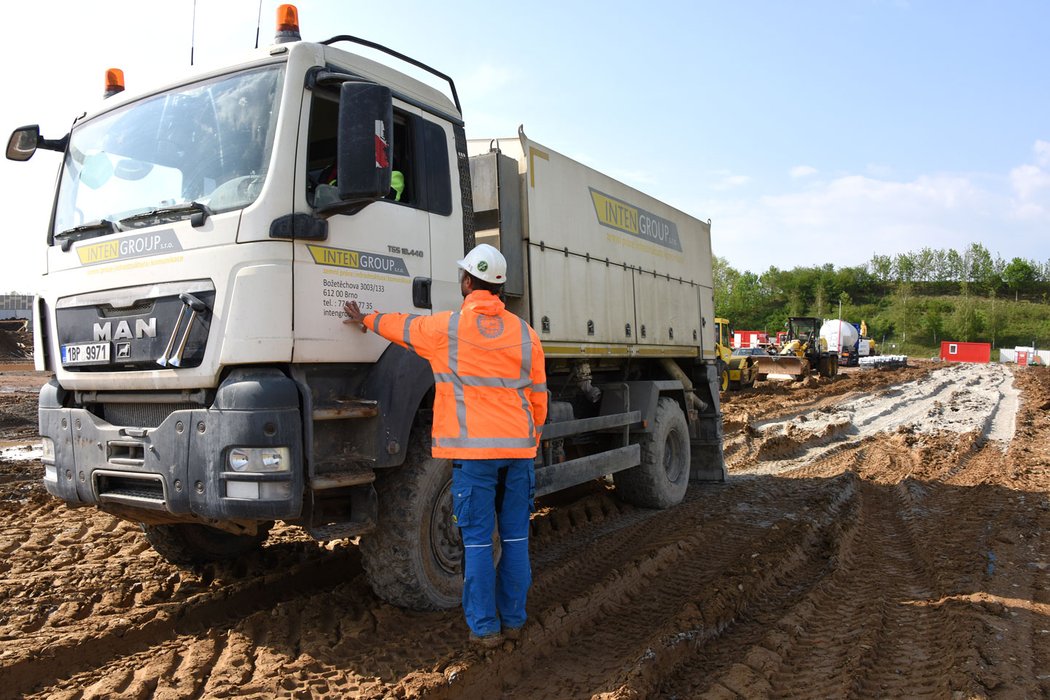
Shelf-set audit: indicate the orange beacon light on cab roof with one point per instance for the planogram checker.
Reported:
(114, 82)
(287, 24)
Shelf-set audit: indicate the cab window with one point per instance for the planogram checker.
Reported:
(420, 177)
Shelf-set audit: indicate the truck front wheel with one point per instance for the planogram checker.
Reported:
(414, 558)
(662, 478)
(189, 543)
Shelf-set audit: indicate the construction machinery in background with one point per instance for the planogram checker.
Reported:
(849, 339)
(843, 337)
(734, 371)
(802, 352)
(866, 346)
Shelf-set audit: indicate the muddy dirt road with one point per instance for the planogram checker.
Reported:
(883, 534)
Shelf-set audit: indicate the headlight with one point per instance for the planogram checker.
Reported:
(260, 459)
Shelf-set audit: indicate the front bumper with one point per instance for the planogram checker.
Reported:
(179, 468)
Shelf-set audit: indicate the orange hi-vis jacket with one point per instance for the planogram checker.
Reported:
(490, 384)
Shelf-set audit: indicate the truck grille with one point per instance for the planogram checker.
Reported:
(141, 415)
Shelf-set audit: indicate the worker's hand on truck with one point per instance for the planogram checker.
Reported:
(354, 315)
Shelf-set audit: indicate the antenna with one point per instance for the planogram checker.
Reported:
(193, 31)
(258, 21)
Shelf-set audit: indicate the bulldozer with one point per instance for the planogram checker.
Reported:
(802, 352)
(734, 371)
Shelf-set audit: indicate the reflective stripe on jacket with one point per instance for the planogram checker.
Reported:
(490, 384)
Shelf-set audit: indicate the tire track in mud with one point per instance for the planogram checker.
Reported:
(949, 489)
(689, 578)
(328, 643)
(903, 558)
(87, 595)
(872, 628)
(136, 654)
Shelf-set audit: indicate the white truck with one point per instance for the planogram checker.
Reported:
(204, 237)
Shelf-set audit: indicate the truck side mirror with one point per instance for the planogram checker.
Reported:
(23, 142)
(366, 122)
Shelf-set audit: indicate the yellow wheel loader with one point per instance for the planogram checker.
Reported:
(734, 371)
(803, 352)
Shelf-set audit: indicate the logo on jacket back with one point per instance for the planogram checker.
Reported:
(489, 326)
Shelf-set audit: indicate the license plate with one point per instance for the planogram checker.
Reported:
(85, 353)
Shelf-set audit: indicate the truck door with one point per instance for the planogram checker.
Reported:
(378, 256)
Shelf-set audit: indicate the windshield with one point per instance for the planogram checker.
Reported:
(208, 143)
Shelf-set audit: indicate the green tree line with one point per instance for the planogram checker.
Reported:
(911, 301)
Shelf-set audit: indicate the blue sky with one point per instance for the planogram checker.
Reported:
(808, 132)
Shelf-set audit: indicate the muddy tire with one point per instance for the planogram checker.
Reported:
(414, 558)
(186, 543)
(662, 478)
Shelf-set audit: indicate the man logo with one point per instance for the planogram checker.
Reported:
(144, 328)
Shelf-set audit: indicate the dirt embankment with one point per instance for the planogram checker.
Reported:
(882, 535)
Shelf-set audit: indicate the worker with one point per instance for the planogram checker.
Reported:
(490, 399)
(328, 183)
(397, 184)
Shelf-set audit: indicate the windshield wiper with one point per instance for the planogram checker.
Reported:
(79, 233)
(199, 214)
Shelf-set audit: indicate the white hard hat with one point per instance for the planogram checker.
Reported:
(486, 263)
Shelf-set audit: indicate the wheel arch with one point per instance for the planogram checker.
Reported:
(645, 397)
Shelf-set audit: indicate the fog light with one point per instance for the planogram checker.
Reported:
(242, 489)
(50, 473)
(48, 451)
(260, 459)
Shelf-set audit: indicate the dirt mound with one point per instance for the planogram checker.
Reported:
(16, 343)
(882, 534)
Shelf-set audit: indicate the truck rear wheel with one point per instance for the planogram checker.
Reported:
(414, 558)
(189, 543)
(662, 478)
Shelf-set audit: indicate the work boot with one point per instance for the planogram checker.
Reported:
(486, 641)
(512, 634)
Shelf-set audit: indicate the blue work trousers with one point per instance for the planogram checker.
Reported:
(482, 491)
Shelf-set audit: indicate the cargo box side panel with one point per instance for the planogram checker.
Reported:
(579, 300)
(577, 210)
(668, 311)
(575, 207)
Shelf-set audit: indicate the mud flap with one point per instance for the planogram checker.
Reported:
(706, 461)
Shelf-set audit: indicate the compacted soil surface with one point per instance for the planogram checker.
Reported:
(881, 534)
